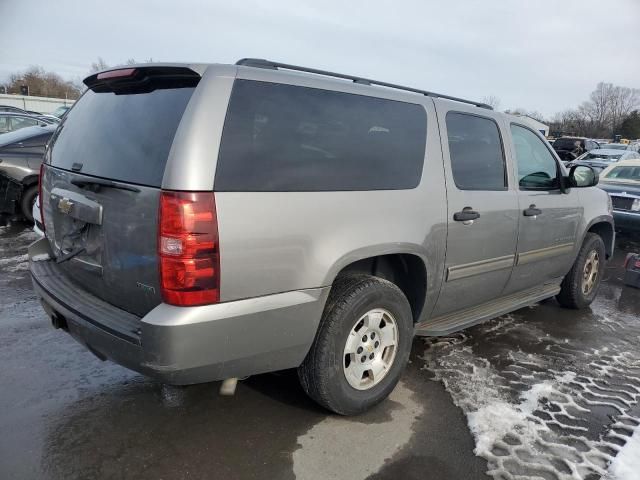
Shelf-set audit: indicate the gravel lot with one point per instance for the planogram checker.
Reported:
(543, 392)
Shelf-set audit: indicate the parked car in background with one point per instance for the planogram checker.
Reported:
(335, 220)
(635, 146)
(619, 146)
(603, 157)
(570, 148)
(21, 154)
(10, 122)
(60, 111)
(622, 182)
(12, 109)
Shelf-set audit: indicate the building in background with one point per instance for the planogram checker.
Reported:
(535, 124)
(35, 104)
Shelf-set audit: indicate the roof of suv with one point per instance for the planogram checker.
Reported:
(253, 63)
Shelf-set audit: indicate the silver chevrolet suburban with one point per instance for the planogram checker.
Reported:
(209, 222)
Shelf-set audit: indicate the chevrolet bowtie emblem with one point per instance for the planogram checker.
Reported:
(65, 205)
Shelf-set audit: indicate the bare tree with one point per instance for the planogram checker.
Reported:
(624, 100)
(527, 113)
(133, 61)
(492, 101)
(99, 65)
(602, 115)
(43, 84)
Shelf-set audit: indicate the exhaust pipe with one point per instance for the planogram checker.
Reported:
(228, 387)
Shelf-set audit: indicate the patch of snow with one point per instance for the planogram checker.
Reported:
(12, 260)
(529, 415)
(626, 465)
(21, 267)
(496, 418)
(43, 257)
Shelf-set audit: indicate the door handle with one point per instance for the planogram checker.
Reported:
(467, 214)
(532, 211)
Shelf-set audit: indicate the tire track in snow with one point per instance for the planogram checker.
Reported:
(540, 405)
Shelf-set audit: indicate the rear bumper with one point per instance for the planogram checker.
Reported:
(627, 220)
(185, 345)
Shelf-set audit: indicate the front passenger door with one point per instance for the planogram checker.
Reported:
(548, 218)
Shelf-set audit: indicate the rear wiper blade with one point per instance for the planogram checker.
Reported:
(104, 183)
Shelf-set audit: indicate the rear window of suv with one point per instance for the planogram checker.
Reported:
(125, 137)
(288, 138)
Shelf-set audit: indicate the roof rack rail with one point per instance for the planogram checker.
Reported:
(261, 63)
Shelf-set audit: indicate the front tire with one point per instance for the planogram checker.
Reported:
(361, 347)
(580, 286)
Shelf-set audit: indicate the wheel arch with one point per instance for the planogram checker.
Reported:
(406, 269)
(30, 181)
(604, 227)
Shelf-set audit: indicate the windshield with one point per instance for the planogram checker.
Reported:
(616, 146)
(58, 112)
(594, 155)
(626, 172)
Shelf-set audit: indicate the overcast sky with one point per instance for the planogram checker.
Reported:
(544, 55)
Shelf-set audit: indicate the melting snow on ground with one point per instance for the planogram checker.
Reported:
(532, 413)
(626, 465)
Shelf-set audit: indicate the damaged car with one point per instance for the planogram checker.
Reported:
(21, 154)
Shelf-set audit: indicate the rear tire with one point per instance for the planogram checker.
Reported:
(580, 286)
(26, 203)
(363, 314)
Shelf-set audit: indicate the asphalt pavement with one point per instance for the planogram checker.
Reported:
(544, 391)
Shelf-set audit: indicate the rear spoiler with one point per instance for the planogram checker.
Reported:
(141, 79)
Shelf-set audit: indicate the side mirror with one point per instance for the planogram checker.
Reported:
(581, 176)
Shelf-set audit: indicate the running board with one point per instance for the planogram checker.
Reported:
(461, 319)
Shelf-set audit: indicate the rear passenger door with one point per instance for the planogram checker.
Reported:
(482, 215)
(548, 218)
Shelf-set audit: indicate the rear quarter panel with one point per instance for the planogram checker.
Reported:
(275, 242)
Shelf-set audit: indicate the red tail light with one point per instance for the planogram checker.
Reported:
(40, 199)
(188, 248)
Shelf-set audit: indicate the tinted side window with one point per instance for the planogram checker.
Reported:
(475, 148)
(288, 138)
(536, 166)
